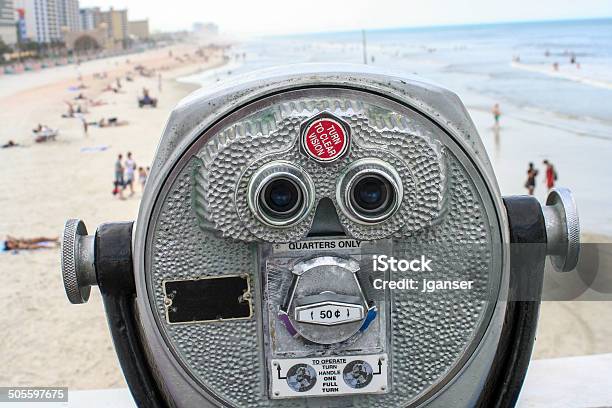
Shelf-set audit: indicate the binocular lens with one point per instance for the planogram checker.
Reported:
(280, 194)
(369, 191)
(281, 198)
(371, 194)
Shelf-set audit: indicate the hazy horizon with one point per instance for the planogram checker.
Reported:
(274, 17)
(443, 26)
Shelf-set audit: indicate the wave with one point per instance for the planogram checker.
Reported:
(209, 75)
(584, 126)
(581, 77)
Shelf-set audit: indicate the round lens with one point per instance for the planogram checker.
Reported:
(371, 194)
(281, 198)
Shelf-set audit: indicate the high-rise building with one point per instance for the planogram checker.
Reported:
(87, 18)
(21, 24)
(139, 29)
(41, 20)
(116, 24)
(111, 24)
(68, 15)
(206, 29)
(8, 27)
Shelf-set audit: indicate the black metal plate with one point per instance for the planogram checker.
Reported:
(208, 299)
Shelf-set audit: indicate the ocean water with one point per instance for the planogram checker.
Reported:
(564, 115)
(475, 59)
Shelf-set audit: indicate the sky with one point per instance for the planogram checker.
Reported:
(261, 17)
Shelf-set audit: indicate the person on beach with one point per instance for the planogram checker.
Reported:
(118, 190)
(496, 111)
(12, 243)
(130, 167)
(551, 174)
(43, 133)
(147, 99)
(111, 88)
(532, 173)
(10, 143)
(110, 122)
(70, 113)
(142, 177)
(96, 102)
(85, 125)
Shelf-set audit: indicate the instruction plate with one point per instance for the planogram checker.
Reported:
(329, 376)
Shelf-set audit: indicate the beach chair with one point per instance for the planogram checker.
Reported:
(147, 101)
(46, 135)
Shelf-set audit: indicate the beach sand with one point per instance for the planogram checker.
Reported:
(47, 341)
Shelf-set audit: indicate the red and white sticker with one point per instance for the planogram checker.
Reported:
(325, 139)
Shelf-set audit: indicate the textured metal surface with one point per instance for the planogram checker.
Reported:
(206, 111)
(432, 332)
(562, 229)
(204, 230)
(220, 352)
(77, 290)
(235, 153)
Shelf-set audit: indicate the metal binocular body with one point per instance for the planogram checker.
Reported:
(323, 236)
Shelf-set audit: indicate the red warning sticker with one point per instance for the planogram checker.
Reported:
(325, 139)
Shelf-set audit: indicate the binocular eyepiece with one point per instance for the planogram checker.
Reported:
(323, 236)
(280, 194)
(370, 191)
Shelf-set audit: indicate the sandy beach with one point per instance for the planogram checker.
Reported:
(49, 342)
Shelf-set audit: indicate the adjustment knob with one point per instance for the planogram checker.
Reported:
(562, 229)
(78, 266)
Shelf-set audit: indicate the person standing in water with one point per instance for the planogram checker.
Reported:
(496, 111)
(532, 173)
(551, 174)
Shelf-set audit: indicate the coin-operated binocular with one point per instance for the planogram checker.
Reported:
(323, 236)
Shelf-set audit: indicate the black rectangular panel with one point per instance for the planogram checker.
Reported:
(208, 299)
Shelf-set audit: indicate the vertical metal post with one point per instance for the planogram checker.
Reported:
(365, 51)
